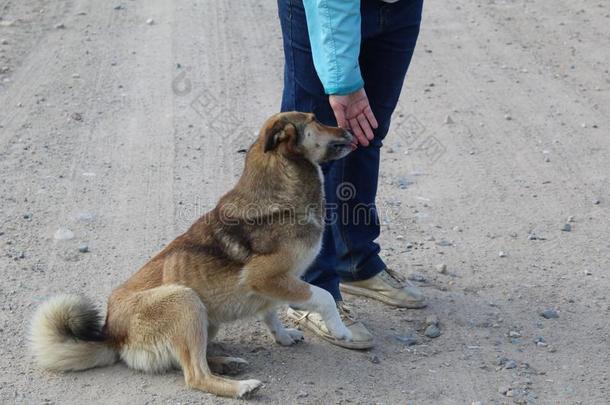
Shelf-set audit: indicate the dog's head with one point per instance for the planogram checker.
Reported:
(295, 134)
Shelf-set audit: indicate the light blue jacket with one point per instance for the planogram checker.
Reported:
(334, 34)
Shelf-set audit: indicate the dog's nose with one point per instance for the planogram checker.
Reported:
(348, 135)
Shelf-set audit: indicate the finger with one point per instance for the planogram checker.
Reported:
(340, 116)
(358, 132)
(370, 116)
(366, 126)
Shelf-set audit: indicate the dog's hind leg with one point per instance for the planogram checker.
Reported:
(173, 319)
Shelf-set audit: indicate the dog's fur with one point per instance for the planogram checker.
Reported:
(244, 258)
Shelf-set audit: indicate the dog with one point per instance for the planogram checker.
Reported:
(242, 259)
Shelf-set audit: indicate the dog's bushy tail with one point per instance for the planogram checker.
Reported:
(66, 335)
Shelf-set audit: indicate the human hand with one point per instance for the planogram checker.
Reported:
(354, 112)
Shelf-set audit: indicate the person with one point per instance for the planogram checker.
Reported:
(346, 61)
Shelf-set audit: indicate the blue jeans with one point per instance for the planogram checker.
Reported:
(389, 33)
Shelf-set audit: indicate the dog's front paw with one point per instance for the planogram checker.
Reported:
(340, 331)
(288, 337)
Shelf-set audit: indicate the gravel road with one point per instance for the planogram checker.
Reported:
(122, 122)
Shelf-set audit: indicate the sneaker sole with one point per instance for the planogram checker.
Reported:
(329, 338)
(363, 292)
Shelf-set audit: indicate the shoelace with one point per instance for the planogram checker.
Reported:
(393, 277)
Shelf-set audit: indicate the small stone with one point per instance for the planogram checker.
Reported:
(21, 255)
(4, 69)
(432, 331)
(596, 201)
(444, 242)
(587, 272)
(76, 116)
(60, 26)
(503, 389)
(441, 268)
(406, 340)
(532, 236)
(476, 403)
(507, 117)
(502, 254)
(373, 358)
(4, 41)
(509, 365)
(83, 248)
(150, 21)
(571, 218)
(399, 237)
(566, 227)
(449, 120)
(549, 314)
(27, 216)
(539, 339)
(75, 76)
(457, 229)
(63, 234)
(514, 334)
(302, 394)
(119, 7)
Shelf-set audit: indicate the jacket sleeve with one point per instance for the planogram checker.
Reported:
(334, 34)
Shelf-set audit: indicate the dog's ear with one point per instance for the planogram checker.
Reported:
(277, 132)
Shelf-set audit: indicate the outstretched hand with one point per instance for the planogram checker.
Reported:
(354, 112)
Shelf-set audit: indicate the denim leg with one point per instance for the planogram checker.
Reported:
(389, 35)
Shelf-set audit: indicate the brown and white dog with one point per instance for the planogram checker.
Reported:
(244, 258)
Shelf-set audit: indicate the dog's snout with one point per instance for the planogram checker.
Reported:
(348, 135)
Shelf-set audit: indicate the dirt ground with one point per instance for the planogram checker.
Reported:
(114, 134)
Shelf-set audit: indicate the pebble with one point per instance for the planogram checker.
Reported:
(60, 26)
(373, 358)
(302, 394)
(84, 248)
(507, 117)
(502, 254)
(588, 272)
(510, 364)
(449, 120)
(476, 403)
(503, 389)
(150, 21)
(444, 242)
(596, 201)
(75, 76)
(4, 41)
(409, 245)
(406, 340)
(571, 218)
(4, 69)
(21, 255)
(119, 7)
(441, 268)
(27, 216)
(514, 334)
(566, 227)
(76, 116)
(532, 236)
(549, 314)
(63, 234)
(432, 331)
